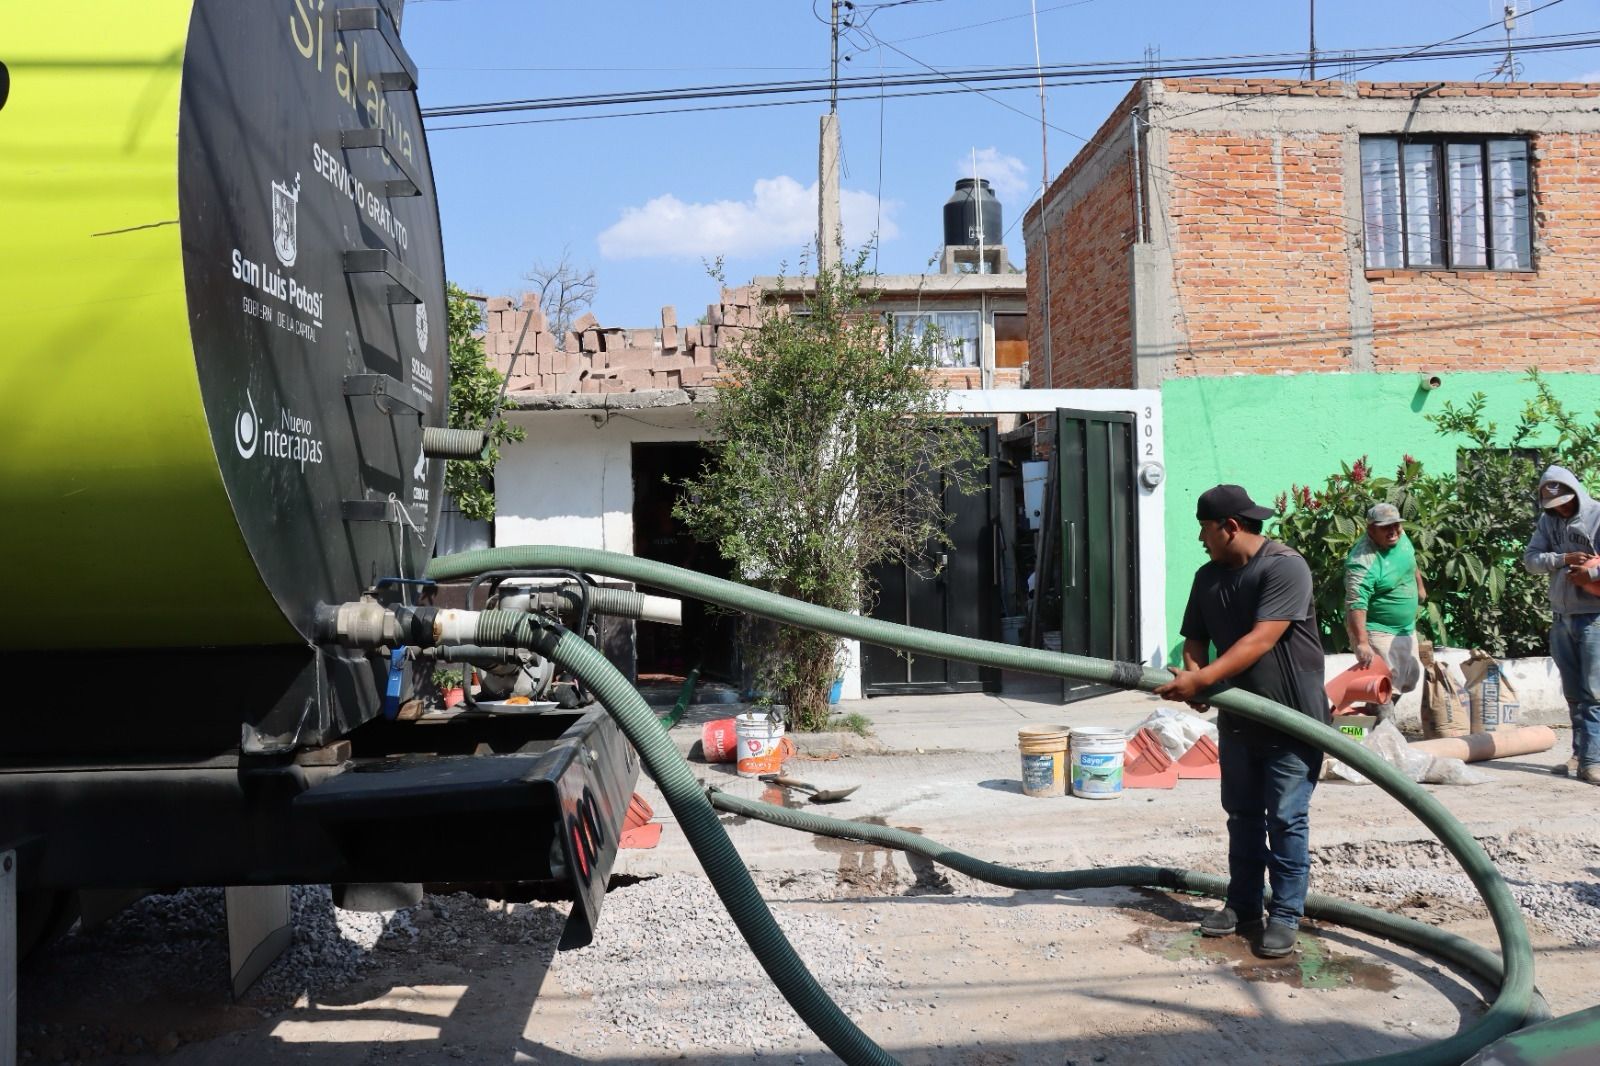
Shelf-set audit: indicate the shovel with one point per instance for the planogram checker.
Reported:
(816, 795)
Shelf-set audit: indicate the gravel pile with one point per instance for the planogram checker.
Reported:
(669, 968)
(1416, 872)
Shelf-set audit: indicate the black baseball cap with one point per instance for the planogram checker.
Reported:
(1229, 501)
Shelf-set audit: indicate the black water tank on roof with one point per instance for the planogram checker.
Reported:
(965, 207)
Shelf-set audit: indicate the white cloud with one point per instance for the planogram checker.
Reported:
(1007, 174)
(780, 216)
(1588, 75)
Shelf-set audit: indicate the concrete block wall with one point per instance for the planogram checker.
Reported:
(594, 359)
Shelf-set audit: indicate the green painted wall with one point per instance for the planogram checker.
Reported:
(1266, 432)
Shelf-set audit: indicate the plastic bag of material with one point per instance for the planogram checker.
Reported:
(1177, 730)
(1388, 744)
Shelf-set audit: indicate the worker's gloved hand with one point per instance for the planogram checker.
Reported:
(1363, 655)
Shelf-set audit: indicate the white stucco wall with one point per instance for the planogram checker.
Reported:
(571, 481)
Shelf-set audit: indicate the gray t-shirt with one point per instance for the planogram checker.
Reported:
(1275, 585)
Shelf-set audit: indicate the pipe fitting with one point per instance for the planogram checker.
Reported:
(1429, 380)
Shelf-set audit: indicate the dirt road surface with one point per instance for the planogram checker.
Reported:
(938, 969)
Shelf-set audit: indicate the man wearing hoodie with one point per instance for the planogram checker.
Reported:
(1564, 546)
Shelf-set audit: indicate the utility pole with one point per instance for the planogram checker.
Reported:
(1313, 49)
(828, 236)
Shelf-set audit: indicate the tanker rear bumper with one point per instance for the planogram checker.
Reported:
(551, 817)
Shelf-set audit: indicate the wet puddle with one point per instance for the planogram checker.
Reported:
(1314, 965)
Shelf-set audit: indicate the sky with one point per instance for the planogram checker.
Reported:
(647, 201)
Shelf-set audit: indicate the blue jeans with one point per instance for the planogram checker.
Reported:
(1267, 780)
(1575, 646)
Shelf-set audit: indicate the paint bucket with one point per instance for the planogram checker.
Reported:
(1011, 628)
(761, 744)
(1044, 760)
(719, 740)
(1097, 762)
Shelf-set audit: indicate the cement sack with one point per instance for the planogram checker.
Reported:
(1388, 744)
(1491, 701)
(1444, 703)
(1178, 731)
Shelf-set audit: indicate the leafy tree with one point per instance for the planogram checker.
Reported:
(826, 432)
(475, 391)
(1469, 526)
(566, 290)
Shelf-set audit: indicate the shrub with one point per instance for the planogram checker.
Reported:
(1469, 526)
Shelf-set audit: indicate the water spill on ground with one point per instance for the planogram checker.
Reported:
(1314, 964)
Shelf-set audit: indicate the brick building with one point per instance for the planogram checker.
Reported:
(1289, 263)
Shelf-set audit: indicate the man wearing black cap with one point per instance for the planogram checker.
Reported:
(1563, 545)
(1253, 603)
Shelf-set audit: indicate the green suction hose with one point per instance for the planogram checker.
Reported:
(1508, 1011)
(1427, 938)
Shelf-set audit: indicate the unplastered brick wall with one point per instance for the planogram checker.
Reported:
(1548, 317)
(1268, 246)
(1258, 237)
(1254, 256)
(592, 358)
(1091, 228)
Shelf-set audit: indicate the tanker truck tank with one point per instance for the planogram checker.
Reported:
(223, 302)
(223, 397)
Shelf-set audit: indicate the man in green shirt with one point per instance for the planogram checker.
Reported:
(1381, 591)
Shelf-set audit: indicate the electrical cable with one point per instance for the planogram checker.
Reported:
(867, 86)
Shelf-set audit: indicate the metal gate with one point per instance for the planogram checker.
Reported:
(962, 599)
(1099, 537)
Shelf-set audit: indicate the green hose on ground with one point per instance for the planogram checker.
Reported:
(1510, 1009)
(1427, 938)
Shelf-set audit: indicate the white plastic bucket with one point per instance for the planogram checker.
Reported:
(760, 738)
(1097, 761)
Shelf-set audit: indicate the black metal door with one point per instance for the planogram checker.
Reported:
(961, 598)
(1099, 536)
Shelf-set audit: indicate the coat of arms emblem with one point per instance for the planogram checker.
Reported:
(286, 221)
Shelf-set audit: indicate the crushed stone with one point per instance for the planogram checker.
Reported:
(669, 968)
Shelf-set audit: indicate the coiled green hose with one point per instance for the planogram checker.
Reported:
(1510, 1009)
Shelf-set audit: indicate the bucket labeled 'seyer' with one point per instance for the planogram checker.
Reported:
(1097, 762)
(761, 744)
(1044, 760)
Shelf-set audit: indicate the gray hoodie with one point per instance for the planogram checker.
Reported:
(1554, 536)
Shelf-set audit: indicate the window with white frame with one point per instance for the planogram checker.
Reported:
(1451, 203)
(958, 334)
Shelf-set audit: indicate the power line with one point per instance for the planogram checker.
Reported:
(869, 87)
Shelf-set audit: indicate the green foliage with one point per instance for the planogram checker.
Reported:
(1470, 526)
(825, 433)
(1323, 525)
(475, 389)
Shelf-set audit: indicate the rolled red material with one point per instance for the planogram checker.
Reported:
(1369, 690)
(1502, 743)
(720, 740)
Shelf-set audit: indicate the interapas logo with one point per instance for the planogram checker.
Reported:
(286, 221)
(247, 428)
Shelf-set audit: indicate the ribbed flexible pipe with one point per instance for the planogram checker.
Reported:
(1510, 1009)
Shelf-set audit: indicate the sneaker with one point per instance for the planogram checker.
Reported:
(1225, 922)
(1277, 941)
(1566, 769)
(1591, 773)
